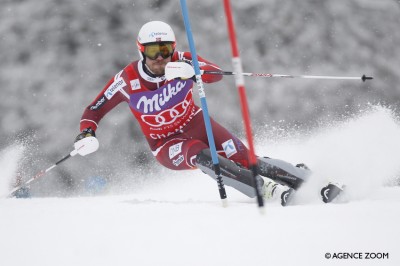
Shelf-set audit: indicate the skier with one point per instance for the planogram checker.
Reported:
(173, 124)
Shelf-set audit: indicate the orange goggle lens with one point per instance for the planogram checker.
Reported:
(152, 51)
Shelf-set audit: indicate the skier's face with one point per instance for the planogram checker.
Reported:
(157, 66)
(157, 56)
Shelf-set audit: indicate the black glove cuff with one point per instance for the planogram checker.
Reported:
(87, 132)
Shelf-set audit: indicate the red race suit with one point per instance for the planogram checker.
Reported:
(170, 120)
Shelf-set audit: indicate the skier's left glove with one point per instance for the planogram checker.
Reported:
(85, 143)
(87, 132)
(179, 69)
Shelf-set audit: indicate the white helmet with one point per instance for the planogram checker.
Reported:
(154, 32)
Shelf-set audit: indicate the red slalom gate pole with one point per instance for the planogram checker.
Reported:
(239, 80)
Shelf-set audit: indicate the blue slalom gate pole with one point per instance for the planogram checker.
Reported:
(203, 102)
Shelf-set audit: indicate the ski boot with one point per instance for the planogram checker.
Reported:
(331, 191)
(272, 190)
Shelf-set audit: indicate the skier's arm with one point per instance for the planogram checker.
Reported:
(208, 66)
(203, 64)
(105, 101)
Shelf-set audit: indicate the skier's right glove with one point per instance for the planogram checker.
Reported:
(180, 70)
(87, 132)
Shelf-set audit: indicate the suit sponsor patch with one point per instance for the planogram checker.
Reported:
(117, 85)
(229, 148)
(98, 104)
(178, 161)
(135, 84)
(175, 150)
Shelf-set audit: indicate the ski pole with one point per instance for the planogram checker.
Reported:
(203, 102)
(267, 75)
(83, 147)
(41, 173)
(239, 80)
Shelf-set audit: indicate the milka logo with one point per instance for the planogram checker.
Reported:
(158, 100)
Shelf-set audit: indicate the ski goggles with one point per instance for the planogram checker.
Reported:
(152, 51)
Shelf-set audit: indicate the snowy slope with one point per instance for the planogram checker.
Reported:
(131, 231)
(178, 220)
